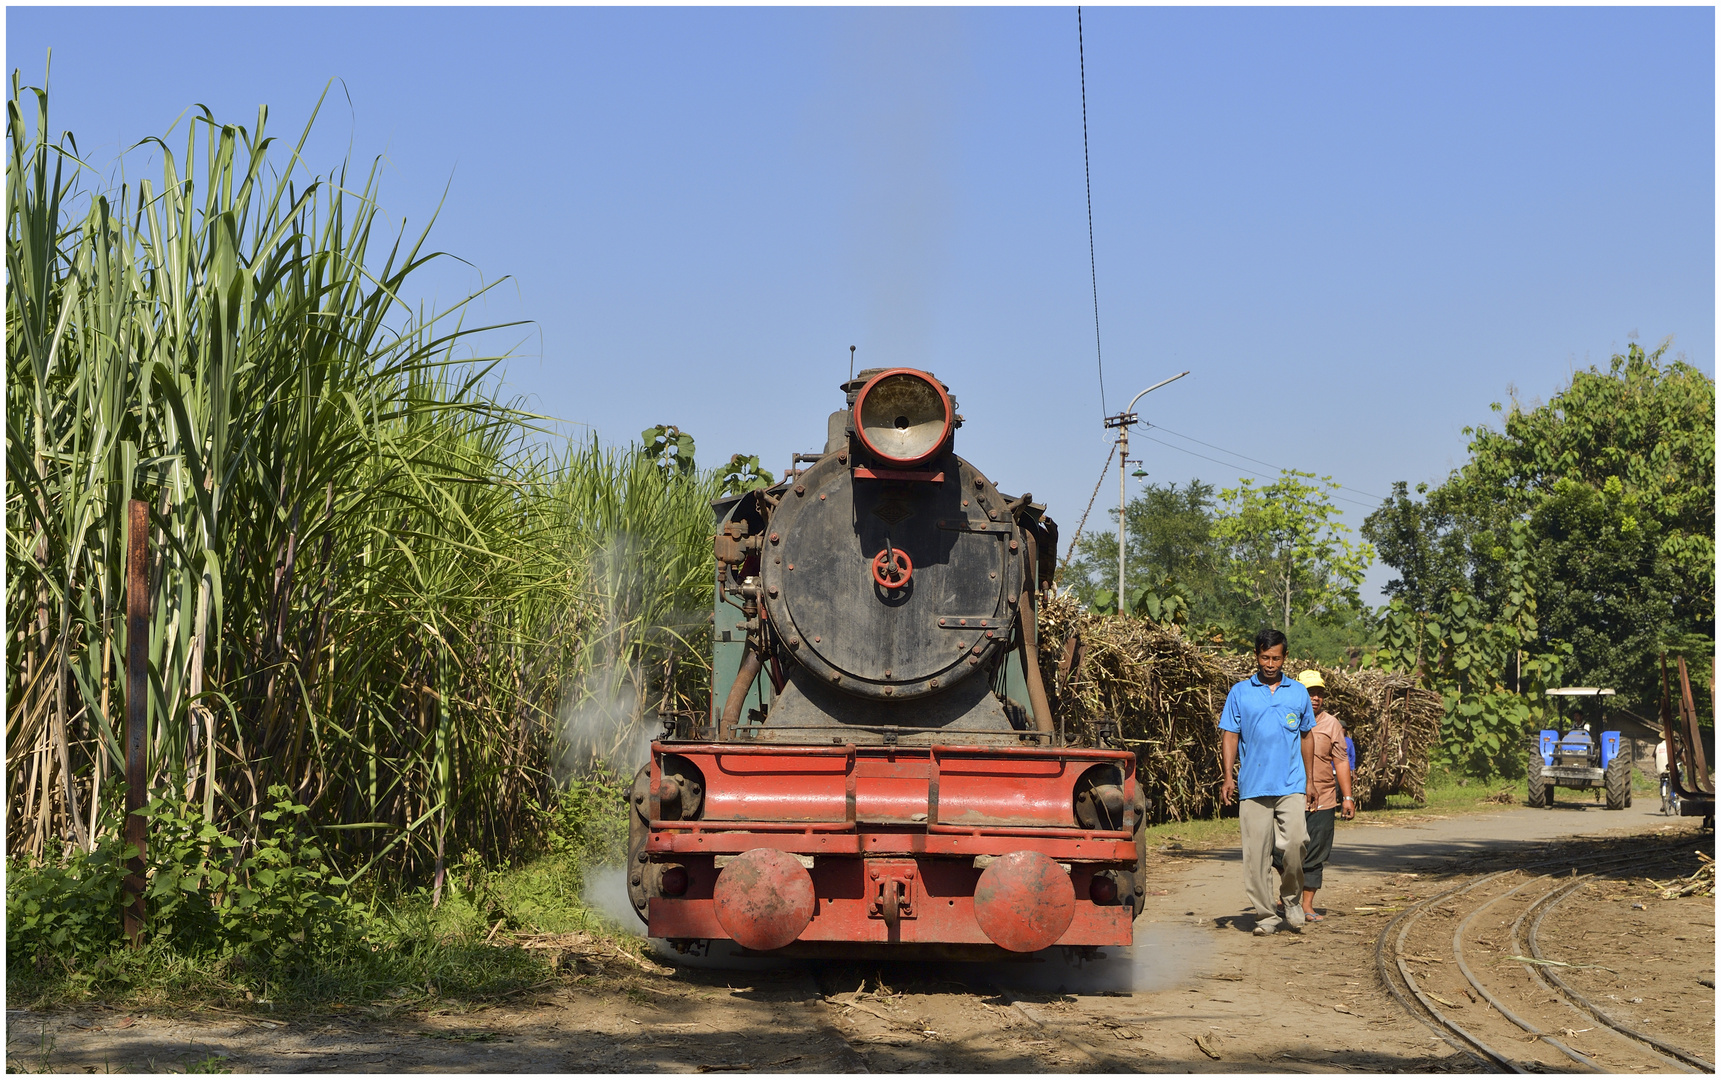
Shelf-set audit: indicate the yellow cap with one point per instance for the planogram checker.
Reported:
(1311, 679)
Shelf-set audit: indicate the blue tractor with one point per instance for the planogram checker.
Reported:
(1584, 757)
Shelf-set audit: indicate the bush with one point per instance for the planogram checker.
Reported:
(273, 900)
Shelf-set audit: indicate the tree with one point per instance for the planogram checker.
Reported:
(1487, 667)
(1614, 478)
(1286, 552)
(1418, 538)
(1171, 551)
(1610, 587)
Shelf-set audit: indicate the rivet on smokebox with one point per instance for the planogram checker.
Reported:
(993, 514)
(774, 538)
(973, 660)
(773, 590)
(1013, 545)
(821, 496)
(979, 481)
(940, 622)
(889, 690)
(800, 489)
(932, 683)
(794, 643)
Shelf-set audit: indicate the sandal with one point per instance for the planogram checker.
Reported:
(1309, 916)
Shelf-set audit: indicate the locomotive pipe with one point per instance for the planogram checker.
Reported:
(738, 696)
(1031, 638)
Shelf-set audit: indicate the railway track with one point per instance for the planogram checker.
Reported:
(1513, 1000)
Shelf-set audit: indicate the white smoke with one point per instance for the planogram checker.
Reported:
(1161, 958)
(605, 892)
(603, 723)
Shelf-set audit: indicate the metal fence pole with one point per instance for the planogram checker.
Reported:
(137, 710)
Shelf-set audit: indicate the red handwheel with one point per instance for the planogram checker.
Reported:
(888, 576)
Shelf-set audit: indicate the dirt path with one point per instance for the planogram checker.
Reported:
(1199, 994)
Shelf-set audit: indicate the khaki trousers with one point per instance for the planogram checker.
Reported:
(1274, 824)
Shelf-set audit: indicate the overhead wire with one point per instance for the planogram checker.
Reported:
(1251, 472)
(1088, 177)
(1246, 457)
(1076, 539)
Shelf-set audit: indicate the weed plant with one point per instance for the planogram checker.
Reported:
(279, 929)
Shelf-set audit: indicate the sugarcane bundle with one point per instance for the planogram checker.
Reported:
(1164, 693)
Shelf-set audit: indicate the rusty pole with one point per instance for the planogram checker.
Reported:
(137, 710)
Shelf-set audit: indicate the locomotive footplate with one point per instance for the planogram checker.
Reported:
(965, 846)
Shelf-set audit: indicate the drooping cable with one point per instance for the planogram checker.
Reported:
(1087, 175)
(1076, 539)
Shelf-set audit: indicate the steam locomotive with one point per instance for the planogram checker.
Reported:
(880, 773)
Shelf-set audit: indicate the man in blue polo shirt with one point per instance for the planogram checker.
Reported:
(1269, 724)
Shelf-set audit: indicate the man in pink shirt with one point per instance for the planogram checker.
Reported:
(1329, 793)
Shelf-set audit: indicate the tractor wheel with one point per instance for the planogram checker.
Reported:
(1536, 788)
(1617, 778)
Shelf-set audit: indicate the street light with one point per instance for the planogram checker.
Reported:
(1122, 422)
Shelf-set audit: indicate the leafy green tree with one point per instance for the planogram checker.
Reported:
(1171, 552)
(1612, 589)
(1615, 478)
(1287, 552)
(1490, 669)
(1419, 538)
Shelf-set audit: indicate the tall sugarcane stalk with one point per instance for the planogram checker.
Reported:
(347, 524)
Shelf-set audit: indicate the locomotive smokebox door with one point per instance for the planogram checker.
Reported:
(892, 572)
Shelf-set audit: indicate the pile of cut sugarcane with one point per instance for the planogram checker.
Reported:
(1165, 692)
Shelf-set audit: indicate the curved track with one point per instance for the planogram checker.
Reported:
(1505, 1004)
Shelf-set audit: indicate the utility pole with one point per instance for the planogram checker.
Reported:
(1123, 421)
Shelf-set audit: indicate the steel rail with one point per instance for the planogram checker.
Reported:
(1625, 859)
(1458, 955)
(1408, 918)
(1548, 904)
(1442, 1025)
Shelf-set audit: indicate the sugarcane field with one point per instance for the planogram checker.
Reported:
(641, 557)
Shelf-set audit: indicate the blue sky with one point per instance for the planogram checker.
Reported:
(1356, 227)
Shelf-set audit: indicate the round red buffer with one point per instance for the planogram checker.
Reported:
(764, 899)
(1024, 901)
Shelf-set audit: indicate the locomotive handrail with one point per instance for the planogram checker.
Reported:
(900, 729)
(1072, 831)
(809, 750)
(1080, 752)
(719, 825)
